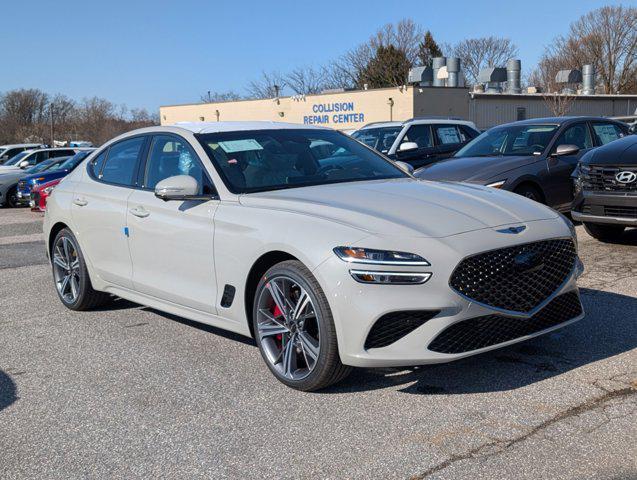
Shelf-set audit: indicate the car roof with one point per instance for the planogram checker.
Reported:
(215, 127)
(420, 121)
(14, 145)
(557, 120)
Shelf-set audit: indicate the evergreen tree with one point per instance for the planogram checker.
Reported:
(428, 49)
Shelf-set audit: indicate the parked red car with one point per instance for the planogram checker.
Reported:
(39, 194)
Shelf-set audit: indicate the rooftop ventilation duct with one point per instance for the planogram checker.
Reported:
(492, 77)
(514, 68)
(422, 76)
(437, 63)
(588, 79)
(453, 72)
(568, 76)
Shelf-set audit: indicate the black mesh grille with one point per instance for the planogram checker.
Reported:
(625, 212)
(394, 326)
(22, 184)
(602, 179)
(516, 278)
(481, 332)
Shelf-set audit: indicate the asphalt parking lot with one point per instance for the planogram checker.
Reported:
(132, 392)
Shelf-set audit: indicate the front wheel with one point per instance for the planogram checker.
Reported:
(604, 233)
(12, 198)
(71, 278)
(294, 328)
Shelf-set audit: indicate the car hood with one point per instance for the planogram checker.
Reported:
(11, 175)
(46, 176)
(10, 168)
(405, 206)
(474, 169)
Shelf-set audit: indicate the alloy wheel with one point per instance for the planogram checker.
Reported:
(66, 269)
(288, 328)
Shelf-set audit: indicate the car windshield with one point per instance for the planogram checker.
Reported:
(16, 159)
(381, 138)
(253, 161)
(510, 140)
(40, 166)
(75, 160)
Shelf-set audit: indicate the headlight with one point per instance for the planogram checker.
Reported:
(379, 257)
(497, 184)
(390, 278)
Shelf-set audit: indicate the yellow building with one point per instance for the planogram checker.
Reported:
(340, 110)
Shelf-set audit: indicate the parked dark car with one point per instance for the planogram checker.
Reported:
(606, 189)
(534, 158)
(26, 184)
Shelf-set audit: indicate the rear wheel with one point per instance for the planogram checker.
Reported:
(294, 328)
(604, 232)
(71, 278)
(530, 192)
(12, 198)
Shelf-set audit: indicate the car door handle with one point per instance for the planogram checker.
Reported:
(80, 202)
(139, 212)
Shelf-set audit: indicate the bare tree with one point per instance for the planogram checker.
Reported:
(308, 80)
(229, 96)
(605, 38)
(478, 53)
(269, 85)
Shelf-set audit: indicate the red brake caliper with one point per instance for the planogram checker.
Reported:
(277, 312)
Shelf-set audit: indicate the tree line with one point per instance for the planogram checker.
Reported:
(31, 115)
(605, 37)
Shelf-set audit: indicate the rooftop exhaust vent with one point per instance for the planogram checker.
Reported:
(568, 76)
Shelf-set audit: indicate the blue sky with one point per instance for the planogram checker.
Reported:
(151, 53)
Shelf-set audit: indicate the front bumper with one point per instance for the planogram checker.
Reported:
(605, 208)
(357, 307)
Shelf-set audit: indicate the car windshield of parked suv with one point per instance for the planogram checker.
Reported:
(75, 160)
(15, 160)
(380, 139)
(509, 141)
(253, 161)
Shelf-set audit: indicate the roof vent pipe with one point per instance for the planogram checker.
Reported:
(588, 79)
(514, 68)
(436, 63)
(453, 69)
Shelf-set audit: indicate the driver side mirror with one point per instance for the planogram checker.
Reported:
(24, 164)
(408, 146)
(563, 150)
(178, 187)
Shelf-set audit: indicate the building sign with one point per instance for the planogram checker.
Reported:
(333, 113)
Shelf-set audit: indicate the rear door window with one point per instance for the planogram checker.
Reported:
(606, 132)
(121, 162)
(447, 134)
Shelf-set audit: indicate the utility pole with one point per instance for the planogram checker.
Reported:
(51, 112)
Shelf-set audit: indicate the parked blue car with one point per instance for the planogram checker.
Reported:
(27, 183)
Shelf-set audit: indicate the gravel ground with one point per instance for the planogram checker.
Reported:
(132, 392)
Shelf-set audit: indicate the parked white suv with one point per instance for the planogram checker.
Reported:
(419, 141)
(308, 241)
(7, 152)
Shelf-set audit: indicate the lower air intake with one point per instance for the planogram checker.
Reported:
(391, 327)
(480, 332)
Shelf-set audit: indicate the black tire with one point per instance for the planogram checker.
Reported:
(12, 198)
(530, 192)
(604, 233)
(87, 298)
(328, 368)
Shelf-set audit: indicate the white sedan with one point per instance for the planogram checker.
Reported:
(324, 251)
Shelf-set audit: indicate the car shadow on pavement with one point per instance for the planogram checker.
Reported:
(628, 237)
(608, 329)
(8, 390)
(204, 327)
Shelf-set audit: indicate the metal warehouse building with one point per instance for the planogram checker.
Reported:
(353, 109)
(436, 90)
